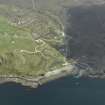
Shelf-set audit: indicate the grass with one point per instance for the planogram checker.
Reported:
(17, 49)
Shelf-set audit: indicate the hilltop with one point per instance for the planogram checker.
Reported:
(29, 42)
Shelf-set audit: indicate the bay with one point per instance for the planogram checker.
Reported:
(64, 91)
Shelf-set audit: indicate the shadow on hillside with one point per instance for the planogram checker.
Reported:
(86, 27)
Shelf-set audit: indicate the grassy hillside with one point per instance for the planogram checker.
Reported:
(27, 42)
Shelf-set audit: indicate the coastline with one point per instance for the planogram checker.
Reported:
(35, 82)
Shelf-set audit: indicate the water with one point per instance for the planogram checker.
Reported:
(65, 91)
(69, 90)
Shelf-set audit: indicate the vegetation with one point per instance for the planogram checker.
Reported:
(27, 42)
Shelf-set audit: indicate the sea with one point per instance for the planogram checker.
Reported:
(68, 90)
(64, 91)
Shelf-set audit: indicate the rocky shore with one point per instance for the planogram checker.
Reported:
(34, 82)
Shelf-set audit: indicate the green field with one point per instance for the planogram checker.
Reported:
(27, 48)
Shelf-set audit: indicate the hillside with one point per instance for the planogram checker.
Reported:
(28, 42)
